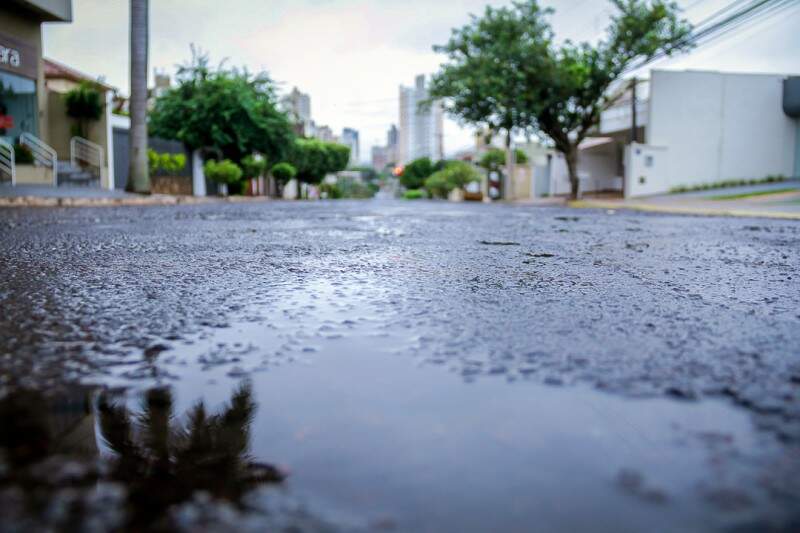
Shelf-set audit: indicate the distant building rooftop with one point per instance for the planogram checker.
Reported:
(54, 70)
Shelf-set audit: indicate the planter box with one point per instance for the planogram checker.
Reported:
(178, 185)
(32, 175)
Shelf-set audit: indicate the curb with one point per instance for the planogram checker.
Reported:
(739, 213)
(135, 201)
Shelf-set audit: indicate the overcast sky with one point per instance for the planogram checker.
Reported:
(351, 55)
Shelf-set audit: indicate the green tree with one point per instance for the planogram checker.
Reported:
(226, 110)
(415, 173)
(223, 172)
(314, 159)
(283, 172)
(253, 166)
(505, 72)
(455, 175)
(138, 175)
(84, 103)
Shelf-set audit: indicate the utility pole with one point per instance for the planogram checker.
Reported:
(633, 110)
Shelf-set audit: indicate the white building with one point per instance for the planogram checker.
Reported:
(350, 138)
(421, 130)
(298, 105)
(693, 127)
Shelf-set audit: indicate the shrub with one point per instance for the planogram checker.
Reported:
(225, 171)
(22, 155)
(416, 172)
(330, 191)
(455, 175)
(283, 172)
(413, 194)
(437, 185)
(166, 162)
(253, 166)
(84, 103)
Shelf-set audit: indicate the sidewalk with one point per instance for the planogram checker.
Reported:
(769, 200)
(66, 196)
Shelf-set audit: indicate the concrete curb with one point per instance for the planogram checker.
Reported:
(137, 201)
(674, 210)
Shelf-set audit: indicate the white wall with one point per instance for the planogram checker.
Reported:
(596, 165)
(719, 126)
(646, 169)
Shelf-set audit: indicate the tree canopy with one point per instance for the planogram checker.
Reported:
(415, 173)
(314, 159)
(227, 110)
(505, 71)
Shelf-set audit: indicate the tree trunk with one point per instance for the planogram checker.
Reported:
(571, 157)
(511, 160)
(138, 177)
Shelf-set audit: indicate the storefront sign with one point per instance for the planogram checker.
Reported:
(6, 122)
(18, 57)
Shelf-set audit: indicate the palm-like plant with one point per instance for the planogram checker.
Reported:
(164, 463)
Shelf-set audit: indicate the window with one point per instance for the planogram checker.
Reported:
(648, 161)
(18, 109)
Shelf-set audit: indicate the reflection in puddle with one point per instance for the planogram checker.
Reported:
(53, 476)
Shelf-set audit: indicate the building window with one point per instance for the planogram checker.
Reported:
(18, 111)
(648, 161)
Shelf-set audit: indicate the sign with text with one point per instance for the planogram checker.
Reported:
(18, 57)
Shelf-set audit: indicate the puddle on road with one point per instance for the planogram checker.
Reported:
(374, 438)
(371, 439)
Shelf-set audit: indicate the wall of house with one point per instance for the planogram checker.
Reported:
(598, 168)
(19, 24)
(719, 126)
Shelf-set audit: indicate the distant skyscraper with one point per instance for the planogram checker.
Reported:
(380, 157)
(420, 132)
(298, 105)
(392, 138)
(350, 138)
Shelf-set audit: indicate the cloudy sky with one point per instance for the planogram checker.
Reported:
(351, 55)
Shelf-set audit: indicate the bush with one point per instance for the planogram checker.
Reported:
(495, 158)
(84, 103)
(416, 172)
(225, 171)
(253, 166)
(772, 178)
(283, 172)
(455, 175)
(166, 162)
(437, 185)
(413, 194)
(22, 155)
(330, 191)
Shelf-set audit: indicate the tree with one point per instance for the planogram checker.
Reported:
(85, 104)
(253, 166)
(223, 172)
(283, 172)
(138, 176)
(415, 173)
(225, 110)
(314, 159)
(505, 71)
(455, 175)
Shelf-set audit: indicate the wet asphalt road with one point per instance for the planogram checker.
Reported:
(637, 305)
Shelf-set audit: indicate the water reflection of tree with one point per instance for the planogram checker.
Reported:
(163, 462)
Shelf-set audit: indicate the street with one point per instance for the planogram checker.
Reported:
(430, 366)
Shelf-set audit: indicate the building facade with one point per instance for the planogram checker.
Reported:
(298, 105)
(350, 138)
(23, 97)
(691, 128)
(421, 129)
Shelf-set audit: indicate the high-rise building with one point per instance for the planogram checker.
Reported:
(380, 157)
(350, 138)
(421, 130)
(392, 137)
(298, 105)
